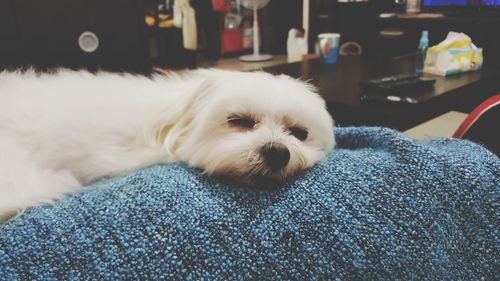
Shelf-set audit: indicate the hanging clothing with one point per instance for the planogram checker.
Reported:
(185, 18)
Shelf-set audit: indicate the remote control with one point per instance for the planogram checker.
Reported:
(401, 85)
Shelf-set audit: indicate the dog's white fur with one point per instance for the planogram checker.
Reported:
(62, 131)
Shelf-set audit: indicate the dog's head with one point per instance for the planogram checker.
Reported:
(252, 126)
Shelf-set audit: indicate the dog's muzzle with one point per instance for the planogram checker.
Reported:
(276, 155)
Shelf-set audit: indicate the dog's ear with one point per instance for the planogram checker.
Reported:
(172, 119)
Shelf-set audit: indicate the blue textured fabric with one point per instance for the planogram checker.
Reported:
(381, 207)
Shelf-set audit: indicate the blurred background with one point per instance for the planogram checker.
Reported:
(134, 35)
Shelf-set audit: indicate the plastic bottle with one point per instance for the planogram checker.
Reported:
(422, 50)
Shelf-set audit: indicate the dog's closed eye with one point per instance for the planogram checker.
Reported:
(299, 133)
(245, 122)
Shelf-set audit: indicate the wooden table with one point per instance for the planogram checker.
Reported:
(339, 85)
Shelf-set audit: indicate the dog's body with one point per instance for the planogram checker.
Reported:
(61, 131)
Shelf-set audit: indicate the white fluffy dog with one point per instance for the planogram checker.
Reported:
(62, 131)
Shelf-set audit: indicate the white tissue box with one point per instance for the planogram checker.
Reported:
(456, 54)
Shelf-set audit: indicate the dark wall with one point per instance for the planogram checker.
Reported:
(45, 34)
(278, 17)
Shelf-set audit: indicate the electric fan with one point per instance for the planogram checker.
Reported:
(256, 56)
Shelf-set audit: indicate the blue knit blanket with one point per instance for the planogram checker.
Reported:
(380, 207)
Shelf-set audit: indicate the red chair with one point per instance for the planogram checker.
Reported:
(482, 125)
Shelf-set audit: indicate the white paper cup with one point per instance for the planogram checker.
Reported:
(328, 47)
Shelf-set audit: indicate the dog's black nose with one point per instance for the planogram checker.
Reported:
(276, 155)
